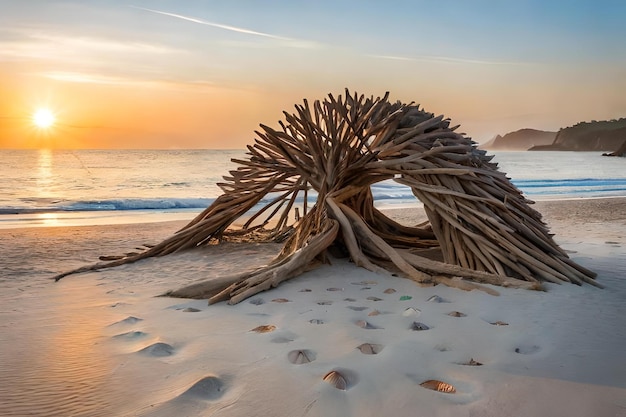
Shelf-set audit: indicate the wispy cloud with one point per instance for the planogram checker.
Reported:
(216, 25)
(56, 47)
(103, 79)
(104, 45)
(453, 60)
(87, 78)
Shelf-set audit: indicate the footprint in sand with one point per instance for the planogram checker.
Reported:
(527, 349)
(135, 334)
(284, 337)
(127, 320)
(301, 356)
(191, 310)
(208, 388)
(118, 305)
(257, 301)
(158, 350)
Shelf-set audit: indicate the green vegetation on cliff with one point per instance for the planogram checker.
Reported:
(588, 136)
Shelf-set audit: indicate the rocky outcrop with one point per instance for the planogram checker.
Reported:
(621, 151)
(588, 136)
(520, 140)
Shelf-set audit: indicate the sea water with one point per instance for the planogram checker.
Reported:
(87, 187)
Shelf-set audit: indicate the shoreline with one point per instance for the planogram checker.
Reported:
(103, 344)
(131, 217)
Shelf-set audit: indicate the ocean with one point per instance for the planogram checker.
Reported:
(92, 187)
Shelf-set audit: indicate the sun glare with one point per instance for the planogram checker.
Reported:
(43, 118)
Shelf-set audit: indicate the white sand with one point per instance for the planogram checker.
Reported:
(101, 344)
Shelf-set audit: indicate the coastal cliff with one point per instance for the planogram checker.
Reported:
(520, 140)
(588, 136)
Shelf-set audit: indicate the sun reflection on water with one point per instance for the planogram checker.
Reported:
(48, 219)
(44, 173)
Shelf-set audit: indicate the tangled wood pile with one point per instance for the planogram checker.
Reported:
(331, 152)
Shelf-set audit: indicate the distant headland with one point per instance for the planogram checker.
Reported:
(595, 136)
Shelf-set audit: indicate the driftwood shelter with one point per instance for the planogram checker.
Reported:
(311, 179)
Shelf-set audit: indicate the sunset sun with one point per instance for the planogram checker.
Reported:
(43, 118)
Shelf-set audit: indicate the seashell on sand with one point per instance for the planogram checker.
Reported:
(389, 291)
(266, 328)
(280, 300)
(374, 313)
(440, 386)
(334, 289)
(419, 326)
(366, 325)
(301, 356)
(436, 299)
(499, 323)
(456, 314)
(316, 321)
(411, 312)
(324, 303)
(305, 290)
(372, 298)
(337, 380)
(365, 283)
(370, 348)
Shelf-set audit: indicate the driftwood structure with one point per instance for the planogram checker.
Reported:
(307, 184)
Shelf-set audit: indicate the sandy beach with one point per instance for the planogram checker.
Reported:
(102, 344)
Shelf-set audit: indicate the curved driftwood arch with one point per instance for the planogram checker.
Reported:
(334, 150)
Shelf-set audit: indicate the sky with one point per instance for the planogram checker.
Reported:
(165, 74)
